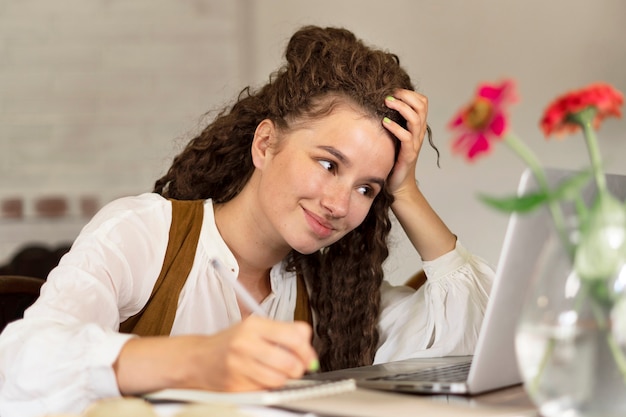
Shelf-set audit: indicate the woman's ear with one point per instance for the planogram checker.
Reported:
(263, 137)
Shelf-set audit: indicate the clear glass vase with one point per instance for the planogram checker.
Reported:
(570, 353)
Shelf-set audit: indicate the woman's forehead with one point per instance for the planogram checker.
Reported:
(325, 105)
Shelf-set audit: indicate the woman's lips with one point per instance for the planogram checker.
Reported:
(318, 225)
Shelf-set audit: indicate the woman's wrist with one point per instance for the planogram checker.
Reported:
(428, 233)
(151, 363)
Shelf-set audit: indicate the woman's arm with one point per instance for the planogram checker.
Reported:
(59, 356)
(257, 353)
(67, 353)
(424, 228)
(443, 317)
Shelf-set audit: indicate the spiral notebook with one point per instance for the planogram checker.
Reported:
(294, 390)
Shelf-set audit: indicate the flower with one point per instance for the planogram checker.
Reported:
(602, 245)
(604, 98)
(598, 255)
(484, 119)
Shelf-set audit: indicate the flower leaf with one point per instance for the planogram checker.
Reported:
(522, 204)
(570, 188)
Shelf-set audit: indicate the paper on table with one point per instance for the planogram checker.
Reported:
(294, 390)
(177, 409)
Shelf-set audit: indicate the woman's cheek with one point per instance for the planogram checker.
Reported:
(360, 212)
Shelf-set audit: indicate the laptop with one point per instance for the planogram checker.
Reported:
(494, 364)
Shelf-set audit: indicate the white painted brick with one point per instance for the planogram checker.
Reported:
(51, 55)
(16, 82)
(96, 96)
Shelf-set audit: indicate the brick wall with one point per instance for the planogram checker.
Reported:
(96, 96)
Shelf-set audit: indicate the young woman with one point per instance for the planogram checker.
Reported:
(289, 193)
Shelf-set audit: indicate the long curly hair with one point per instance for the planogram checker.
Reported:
(343, 279)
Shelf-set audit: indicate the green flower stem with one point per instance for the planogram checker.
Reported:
(534, 385)
(584, 119)
(520, 148)
(581, 209)
(616, 350)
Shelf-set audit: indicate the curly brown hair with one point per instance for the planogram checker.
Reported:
(343, 279)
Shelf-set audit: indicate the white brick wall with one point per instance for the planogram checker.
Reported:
(96, 96)
(93, 93)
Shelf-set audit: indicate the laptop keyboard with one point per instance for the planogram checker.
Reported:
(457, 372)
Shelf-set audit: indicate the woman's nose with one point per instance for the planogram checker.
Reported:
(337, 200)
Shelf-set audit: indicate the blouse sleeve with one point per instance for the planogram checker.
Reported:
(443, 317)
(59, 357)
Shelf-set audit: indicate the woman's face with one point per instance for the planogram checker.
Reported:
(318, 180)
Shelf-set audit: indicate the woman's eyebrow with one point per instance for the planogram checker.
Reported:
(337, 154)
(344, 160)
(376, 180)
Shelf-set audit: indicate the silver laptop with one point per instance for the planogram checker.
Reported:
(493, 364)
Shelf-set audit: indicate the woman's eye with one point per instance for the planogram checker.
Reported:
(328, 165)
(366, 191)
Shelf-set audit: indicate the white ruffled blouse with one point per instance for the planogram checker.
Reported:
(59, 357)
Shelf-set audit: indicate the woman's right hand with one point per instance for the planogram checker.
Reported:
(255, 354)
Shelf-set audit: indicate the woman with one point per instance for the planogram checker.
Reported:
(294, 184)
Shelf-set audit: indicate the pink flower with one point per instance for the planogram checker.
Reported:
(483, 120)
(557, 118)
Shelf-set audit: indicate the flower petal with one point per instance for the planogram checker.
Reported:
(480, 146)
(471, 145)
(498, 124)
(456, 121)
(498, 93)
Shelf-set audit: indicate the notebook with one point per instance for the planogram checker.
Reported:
(294, 390)
(493, 364)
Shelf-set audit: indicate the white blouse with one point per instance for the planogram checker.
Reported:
(59, 357)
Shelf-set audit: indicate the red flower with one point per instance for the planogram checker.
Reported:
(483, 120)
(557, 116)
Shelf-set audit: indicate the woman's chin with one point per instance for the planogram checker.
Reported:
(307, 248)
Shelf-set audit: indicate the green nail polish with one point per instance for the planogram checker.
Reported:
(386, 120)
(314, 366)
(390, 98)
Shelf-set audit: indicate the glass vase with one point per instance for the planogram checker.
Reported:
(569, 342)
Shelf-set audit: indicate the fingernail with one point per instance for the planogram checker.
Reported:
(386, 120)
(390, 98)
(314, 366)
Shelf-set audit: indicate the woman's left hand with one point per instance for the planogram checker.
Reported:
(413, 107)
(428, 233)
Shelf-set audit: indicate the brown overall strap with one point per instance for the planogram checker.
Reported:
(157, 316)
(303, 309)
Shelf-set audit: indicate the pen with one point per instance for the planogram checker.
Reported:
(243, 294)
(250, 303)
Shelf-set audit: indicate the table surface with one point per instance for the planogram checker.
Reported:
(510, 402)
(507, 402)
(507, 397)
